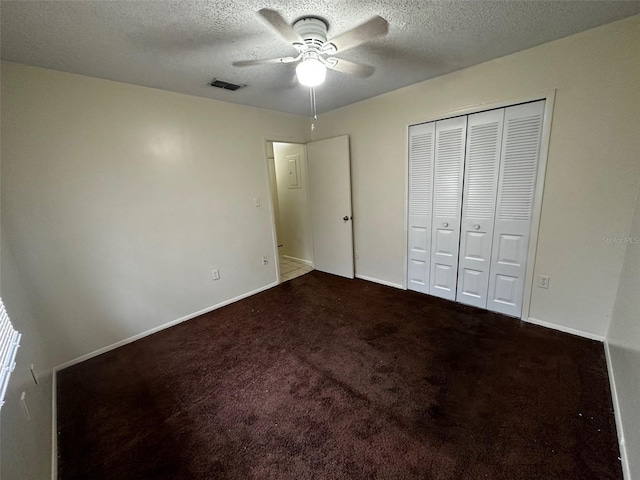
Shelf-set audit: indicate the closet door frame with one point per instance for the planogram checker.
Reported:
(549, 97)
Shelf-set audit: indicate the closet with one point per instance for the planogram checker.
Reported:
(472, 183)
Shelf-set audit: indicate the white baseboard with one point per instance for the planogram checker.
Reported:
(612, 383)
(308, 263)
(562, 328)
(381, 282)
(626, 470)
(113, 346)
(54, 406)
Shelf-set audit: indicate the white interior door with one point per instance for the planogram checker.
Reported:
(447, 206)
(516, 191)
(481, 166)
(421, 154)
(331, 215)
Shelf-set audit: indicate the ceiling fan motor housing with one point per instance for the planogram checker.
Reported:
(313, 32)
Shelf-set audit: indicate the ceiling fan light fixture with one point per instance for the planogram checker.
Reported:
(311, 72)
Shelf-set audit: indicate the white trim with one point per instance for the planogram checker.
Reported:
(309, 220)
(381, 282)
(405, 230)
(272, 212)
(274, 234)
(549, 97)
(126, 341)
(562, 328)
(308, 263)
(626, 469)
(537, 205)
(482, 107)
(54, 426)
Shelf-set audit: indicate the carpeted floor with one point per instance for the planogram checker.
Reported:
(327, 378)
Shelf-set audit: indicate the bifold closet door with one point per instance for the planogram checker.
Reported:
(421, 152)
(516, 191)
(447, 206)
(481, 166)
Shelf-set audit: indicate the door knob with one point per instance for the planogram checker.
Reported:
(445, 224)
(476, 226)
(345, 218)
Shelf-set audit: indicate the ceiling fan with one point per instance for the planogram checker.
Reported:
(308, 35)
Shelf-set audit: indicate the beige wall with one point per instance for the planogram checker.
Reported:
(119, 200)
(294, 222)
(25, 445)
(592, 173)
(624, 346)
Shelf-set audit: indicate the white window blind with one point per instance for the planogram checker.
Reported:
(9, 343)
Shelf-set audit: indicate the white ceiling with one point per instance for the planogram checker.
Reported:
(181, 45)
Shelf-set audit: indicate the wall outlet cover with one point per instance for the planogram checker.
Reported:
(543, 281)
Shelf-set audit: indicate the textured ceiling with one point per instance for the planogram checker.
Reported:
(182, 45)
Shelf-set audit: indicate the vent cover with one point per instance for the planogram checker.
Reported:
(226, 85)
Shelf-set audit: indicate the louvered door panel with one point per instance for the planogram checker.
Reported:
(516, 191)
(482, 161)
(447, 205)
(421, 153)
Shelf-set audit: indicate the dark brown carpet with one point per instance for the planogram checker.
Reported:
(327, 378)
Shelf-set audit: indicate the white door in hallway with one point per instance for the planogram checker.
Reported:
(329, 167)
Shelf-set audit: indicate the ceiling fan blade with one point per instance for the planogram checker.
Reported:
(347, 66)
(247, 63)
(375, 27)
(280, 25)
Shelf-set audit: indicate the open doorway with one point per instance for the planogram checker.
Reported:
(289, 186)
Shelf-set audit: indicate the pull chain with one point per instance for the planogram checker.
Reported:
(312, 97)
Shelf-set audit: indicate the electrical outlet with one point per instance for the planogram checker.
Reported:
(543, 281)
(265, 261)
(215, 274)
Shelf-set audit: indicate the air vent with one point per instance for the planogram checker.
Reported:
(226, 85)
